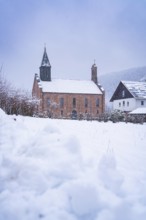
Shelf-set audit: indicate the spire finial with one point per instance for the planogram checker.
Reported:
(45, 46)
(94, 61)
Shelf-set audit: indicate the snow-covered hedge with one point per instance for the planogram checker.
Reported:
(119, 116)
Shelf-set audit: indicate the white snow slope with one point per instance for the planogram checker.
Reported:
(71, 170)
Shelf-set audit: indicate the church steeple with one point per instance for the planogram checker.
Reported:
(45, 68)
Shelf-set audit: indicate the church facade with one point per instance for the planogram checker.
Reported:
(67, 98)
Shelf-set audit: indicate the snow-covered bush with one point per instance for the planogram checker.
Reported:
(103, 117)
(16, 101)
(135, 118)
(117, 115)
(5, 87)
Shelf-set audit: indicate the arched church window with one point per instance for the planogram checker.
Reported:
(86, 102)
(74, 102)
(97, 102)
(48, 102)
(61, 102)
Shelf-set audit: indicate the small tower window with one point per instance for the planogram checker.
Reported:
(142, 102)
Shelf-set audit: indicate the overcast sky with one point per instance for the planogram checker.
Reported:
(113, 32)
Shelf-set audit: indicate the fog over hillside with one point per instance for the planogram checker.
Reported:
(110, 81)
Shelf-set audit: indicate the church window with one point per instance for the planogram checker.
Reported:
(74, 102)
(142, 102)
(123, 103)
(97, 102)
(119, 104)
(48, 102)
(61, 102)
(127, 103)
(86, 102)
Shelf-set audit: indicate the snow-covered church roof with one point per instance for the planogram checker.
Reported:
(137, 89)
(69, 86)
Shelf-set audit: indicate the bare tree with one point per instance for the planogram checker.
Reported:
(16, 101)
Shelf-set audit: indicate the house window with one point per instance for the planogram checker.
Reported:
(123, 103)
(127, 103)
(123, 93)
(119, 104)
(86, 102)
(97, 102)
(48, 102)
(74, 102)
(61, 102)
(142, 102)
(97, 112)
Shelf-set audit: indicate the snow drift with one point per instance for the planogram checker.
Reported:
(71, 170)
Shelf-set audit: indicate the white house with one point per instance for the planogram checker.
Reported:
(129, 95)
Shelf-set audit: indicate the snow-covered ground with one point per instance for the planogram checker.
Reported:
(71, 170)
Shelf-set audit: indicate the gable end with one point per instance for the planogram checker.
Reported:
(121, 93)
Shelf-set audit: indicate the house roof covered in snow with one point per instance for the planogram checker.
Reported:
(137, 89)
(69, 86)
(139, 111)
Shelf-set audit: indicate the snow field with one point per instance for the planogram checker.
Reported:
(71, 170)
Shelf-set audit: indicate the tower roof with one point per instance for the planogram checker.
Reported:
(45, 60)
(94, 64)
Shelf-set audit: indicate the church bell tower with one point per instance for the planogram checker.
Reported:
(45, 68)
(94, 74)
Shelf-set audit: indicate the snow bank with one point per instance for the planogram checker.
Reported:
(71, 170)
(2, 114)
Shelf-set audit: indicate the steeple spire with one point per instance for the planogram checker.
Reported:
(45, 68)
(45, 60)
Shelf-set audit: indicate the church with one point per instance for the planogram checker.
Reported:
(59, 98)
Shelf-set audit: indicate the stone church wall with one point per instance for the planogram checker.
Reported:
(51, 105)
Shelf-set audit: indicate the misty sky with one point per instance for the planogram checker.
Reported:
(113, 32)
